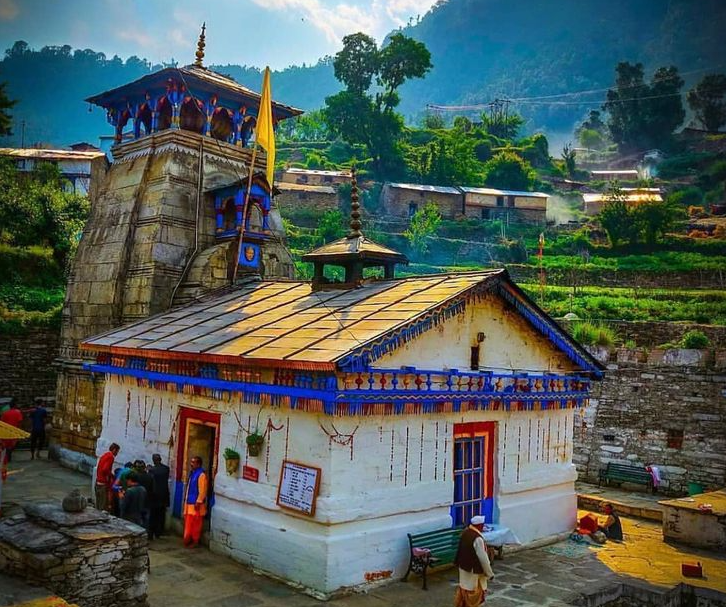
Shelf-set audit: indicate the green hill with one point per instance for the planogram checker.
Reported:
(481, 49)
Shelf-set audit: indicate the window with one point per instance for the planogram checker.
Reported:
(327, 179)
(485, 213)
(473, 472)
(474, 358)
(510, 201)
(675, 439)
(412, 208)
(500, 201)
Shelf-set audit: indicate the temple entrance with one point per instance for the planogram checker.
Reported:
(473, 472)
(198, 436)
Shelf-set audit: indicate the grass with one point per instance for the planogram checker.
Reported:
(706, 307)
(24, 307)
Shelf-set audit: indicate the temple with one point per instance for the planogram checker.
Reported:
(361, 410)
(181, 212)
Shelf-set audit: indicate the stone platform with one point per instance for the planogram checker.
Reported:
(699, 520)
(87, 557)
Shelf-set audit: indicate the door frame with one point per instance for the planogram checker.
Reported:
(487, 431)
(206, 418)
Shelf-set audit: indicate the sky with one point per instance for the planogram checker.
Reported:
(277, 33)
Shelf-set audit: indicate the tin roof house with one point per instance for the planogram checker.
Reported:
(386, 407)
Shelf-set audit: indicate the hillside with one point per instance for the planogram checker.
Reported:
(481, 49)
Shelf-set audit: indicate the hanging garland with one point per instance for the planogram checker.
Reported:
(405, 462)
(420, 455)
(436, 453)
(393, 434)
(144, 421)
(345, 440)
(269, 428)
(446, 445)
(287, 435)
(128, 412)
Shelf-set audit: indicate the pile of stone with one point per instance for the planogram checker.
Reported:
(87, 557)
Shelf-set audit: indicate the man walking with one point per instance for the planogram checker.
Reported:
(147, 482)
(195, 503)
(133, 501)
(474, 567)
(105, 478)
(159, 500)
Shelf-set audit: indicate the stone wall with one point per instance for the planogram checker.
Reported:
(666, 408)
(26, 365)
(89, 558)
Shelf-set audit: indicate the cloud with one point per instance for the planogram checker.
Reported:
(336, 20)
(8, 10)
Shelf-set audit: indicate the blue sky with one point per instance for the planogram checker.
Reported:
(252, 32)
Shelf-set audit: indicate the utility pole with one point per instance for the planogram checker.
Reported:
(22, 133)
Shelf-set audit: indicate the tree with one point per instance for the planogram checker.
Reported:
(433, 121)
(423, 225)
(708, 101)
(448, 159)
(508, 171)
(502, 125)
(655, 218)
(641, 116)
(568, 156)
(330, 227)
(361, 117)
(617, 219)
(6, 122)
(592, 132)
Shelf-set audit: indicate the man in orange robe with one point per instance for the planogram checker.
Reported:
(195, 503)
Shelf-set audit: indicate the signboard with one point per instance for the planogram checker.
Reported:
(299, 486)
(251, 474)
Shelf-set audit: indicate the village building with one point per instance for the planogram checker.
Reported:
(362, 410)
(402, 200)
(303, 196)
(506, 205)
(594, 202)
(315, 177)
(164, 223)
(79, 168)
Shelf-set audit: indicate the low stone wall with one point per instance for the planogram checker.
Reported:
(89, 558)
(663, 407)
(26, 365)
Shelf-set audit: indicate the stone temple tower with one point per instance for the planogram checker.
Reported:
(165, 224)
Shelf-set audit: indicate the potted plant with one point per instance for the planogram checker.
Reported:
(254, 443)
(231, 460)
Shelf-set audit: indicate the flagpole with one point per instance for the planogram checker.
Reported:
(244, 211)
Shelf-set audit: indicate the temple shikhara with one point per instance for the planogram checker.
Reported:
(363, 409)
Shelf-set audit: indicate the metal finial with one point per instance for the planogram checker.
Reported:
(200, 47)
(355, 224)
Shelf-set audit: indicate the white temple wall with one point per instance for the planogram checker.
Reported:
(509, 343)
(374, 490)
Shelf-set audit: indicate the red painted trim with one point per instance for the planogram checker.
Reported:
(213, 358)
(185, 414)
(488, 431)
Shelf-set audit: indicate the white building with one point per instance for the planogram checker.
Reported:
(75, 166)
(387, 407)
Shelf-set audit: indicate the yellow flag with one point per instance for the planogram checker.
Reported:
(265, 134)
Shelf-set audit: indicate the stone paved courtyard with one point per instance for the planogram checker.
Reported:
(547, 576)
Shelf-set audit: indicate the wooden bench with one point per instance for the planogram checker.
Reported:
(441, 545)
(624, 473)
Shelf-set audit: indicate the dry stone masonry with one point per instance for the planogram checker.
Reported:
(664, 407)
(89, 557)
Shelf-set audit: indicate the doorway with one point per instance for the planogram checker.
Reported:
(198, 436)
(473, 472)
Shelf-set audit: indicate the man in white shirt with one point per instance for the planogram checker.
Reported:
(474, 567)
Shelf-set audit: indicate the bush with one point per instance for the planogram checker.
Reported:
(695, 340)
(591, 334)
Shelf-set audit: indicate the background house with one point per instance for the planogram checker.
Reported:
(594, 202)
(508, 205)
(315, 177)
(404, 199)
(300, 195)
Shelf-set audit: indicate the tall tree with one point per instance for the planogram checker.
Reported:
(568, 156)
(708, 101)
(6, 123)
(508, 171)
(361, 116)
(640, 115)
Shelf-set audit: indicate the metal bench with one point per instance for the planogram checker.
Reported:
(432, 549)
(624, 473)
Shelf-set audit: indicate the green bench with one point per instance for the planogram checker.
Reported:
(432, 549)
(624, 473)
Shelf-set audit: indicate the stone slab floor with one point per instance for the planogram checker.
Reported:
(548, 576)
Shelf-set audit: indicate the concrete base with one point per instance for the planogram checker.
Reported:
(72, 459)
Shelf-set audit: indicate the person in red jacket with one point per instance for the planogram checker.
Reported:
(14, 417)
(105, 478)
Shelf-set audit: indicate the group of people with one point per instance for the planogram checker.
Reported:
(13, 416)
(136, 492)
(140, 494)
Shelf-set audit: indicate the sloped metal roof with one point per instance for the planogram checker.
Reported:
(359, 246)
